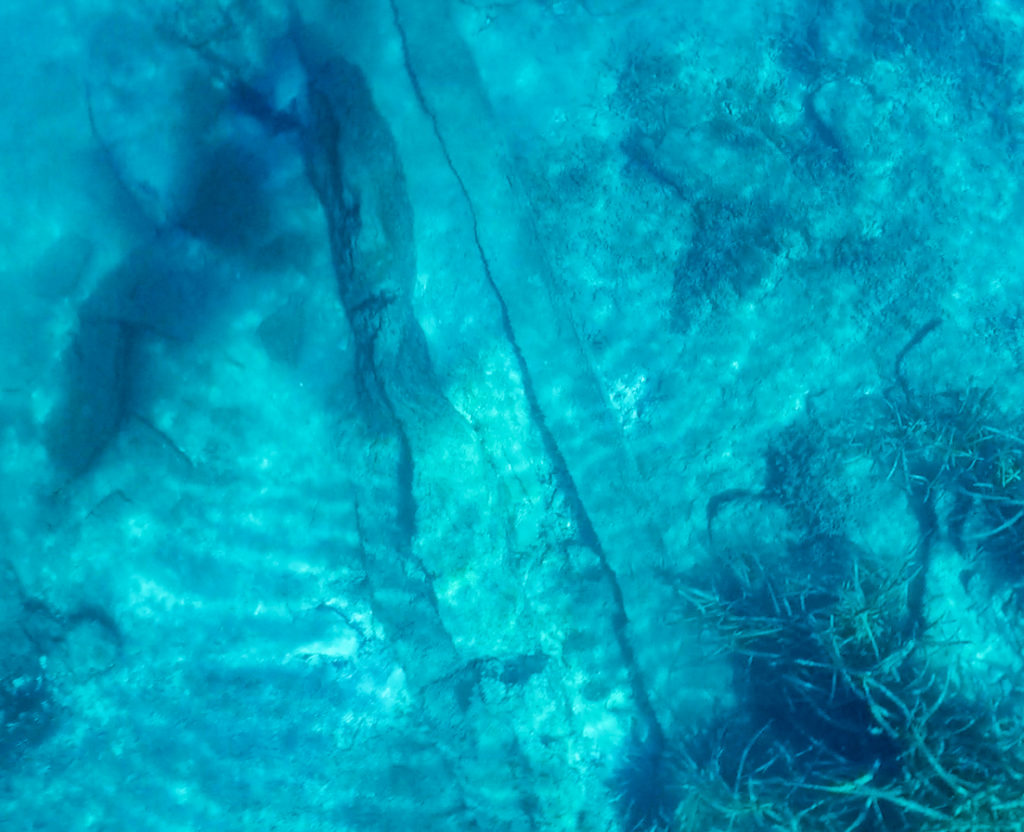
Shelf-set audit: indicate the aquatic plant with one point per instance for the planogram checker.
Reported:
(844, 720)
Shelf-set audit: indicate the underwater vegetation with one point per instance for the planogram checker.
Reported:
(843, 721)
(645, 787)
(27, 706)
(848, 713)
(960, 460)
(42, 651)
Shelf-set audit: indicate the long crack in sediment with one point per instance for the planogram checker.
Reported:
(563, 476)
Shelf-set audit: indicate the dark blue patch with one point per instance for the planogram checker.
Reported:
(645, 788)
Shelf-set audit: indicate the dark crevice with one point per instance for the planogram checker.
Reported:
(366, 313)
(563, 477)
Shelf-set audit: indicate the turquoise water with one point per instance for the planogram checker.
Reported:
(528, 415)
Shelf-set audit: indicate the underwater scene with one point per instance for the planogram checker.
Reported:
(512, 416)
